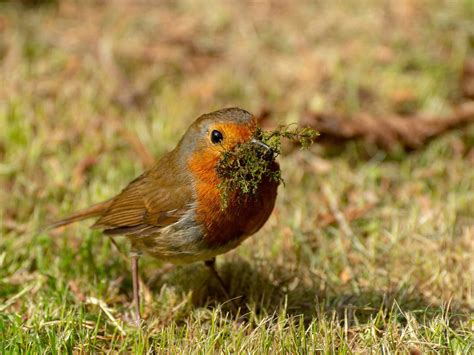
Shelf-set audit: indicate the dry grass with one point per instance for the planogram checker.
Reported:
(360, 254)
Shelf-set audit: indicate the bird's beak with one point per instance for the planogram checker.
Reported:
(268, 153)
(261, 144)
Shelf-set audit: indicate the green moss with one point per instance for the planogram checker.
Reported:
(243, 169)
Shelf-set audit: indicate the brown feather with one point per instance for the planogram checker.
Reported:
(157, 198)
(93, 211)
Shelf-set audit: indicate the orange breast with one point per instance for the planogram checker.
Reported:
(243, 216)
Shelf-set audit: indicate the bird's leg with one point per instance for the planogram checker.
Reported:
(145, 290)
(211, 264)
(136, 288)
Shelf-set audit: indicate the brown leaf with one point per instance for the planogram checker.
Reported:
(410, 132)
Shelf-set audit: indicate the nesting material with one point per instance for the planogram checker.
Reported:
(243, 169)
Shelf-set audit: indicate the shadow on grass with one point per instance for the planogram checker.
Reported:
(263, 291)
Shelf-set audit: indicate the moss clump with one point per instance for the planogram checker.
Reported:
(242, 169)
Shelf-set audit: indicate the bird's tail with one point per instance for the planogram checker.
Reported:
(93, 211)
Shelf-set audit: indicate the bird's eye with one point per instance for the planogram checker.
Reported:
(216, 137)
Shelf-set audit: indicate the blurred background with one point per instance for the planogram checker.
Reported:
(378, 212)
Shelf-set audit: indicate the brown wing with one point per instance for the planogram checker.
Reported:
(152, 201)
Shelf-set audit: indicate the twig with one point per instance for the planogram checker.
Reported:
(410, 132)
(12, 299)
(103, 306)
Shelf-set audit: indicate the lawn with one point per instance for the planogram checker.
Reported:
(366, 251)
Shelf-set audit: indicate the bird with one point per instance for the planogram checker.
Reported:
(173, 211)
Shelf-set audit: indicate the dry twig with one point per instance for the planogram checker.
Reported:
(389, 132)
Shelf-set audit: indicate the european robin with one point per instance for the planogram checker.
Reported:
(174, 212)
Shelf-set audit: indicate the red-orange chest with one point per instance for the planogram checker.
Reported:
(243, 215)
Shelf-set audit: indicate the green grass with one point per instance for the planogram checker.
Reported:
(397, 279)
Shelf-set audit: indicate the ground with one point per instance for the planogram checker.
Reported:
(365, 251)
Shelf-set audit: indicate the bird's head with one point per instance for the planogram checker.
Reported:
(215, 133)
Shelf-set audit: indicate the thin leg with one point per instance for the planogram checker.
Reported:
(136, 288)
(145, 290)
(211, 264)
